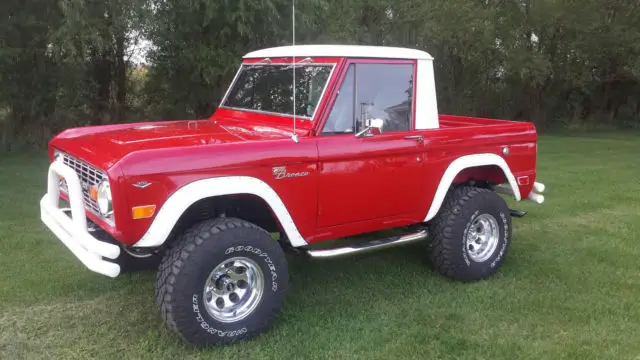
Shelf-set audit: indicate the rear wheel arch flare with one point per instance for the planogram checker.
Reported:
(482, 173)
(464, 163)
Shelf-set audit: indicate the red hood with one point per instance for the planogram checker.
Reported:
(103, 146)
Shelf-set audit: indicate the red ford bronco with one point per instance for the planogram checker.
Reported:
(310, 143)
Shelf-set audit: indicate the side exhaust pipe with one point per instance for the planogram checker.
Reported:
(517, 213)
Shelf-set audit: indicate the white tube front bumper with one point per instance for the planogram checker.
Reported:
(72, 231)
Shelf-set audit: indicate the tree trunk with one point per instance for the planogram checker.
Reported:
(6, 132)
(120, 79)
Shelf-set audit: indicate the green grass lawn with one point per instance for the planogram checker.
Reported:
(570, 287)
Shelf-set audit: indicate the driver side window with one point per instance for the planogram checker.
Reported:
(373, 91)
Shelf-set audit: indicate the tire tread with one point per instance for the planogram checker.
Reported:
(443, 248)
(172, 266)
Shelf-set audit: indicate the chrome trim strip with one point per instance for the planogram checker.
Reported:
(315, 111)
(265, 112)
(235, 78)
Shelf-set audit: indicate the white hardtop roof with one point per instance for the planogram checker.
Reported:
(362, 51)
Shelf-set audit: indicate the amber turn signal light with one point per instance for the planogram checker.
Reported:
(143, 212)
(93, 193)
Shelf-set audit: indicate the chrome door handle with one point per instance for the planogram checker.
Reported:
(414, 137)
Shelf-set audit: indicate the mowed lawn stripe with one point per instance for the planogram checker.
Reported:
(568, 289)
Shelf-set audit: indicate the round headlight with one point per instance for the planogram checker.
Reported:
(57, 156)
(104, 199)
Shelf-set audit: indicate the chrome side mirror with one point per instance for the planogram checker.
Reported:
(373, 128)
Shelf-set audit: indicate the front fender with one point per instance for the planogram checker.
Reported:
(184, 197)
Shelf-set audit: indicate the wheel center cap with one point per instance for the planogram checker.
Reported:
(225, 283)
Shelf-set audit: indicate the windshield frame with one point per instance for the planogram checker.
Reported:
(311, 118)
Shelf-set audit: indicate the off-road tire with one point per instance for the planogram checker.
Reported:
(447, 248)
(187, 265)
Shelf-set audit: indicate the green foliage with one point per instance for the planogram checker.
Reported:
(63, 64)
(557, 63)
(199, 44)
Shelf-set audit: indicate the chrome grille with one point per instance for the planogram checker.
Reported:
(89, 176)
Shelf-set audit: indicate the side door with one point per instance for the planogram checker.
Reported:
(378, 175)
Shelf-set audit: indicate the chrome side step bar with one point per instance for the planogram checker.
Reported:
(368, 246)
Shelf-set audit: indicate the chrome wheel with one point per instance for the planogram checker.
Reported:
(482, 237)
(233, 289)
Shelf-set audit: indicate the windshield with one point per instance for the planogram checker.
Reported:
(268, 88)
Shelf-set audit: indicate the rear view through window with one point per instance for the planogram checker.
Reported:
(269, 88)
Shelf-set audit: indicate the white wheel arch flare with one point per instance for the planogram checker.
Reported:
(465, 162)
(184, 197)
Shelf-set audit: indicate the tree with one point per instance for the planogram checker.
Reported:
(198, 45)
(554, 62)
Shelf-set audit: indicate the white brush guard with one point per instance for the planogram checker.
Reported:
(73, 231)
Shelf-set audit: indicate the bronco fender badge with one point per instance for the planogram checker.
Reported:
(280, 172)
(142, 184)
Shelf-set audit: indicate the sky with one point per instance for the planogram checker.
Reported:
(137, 52)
